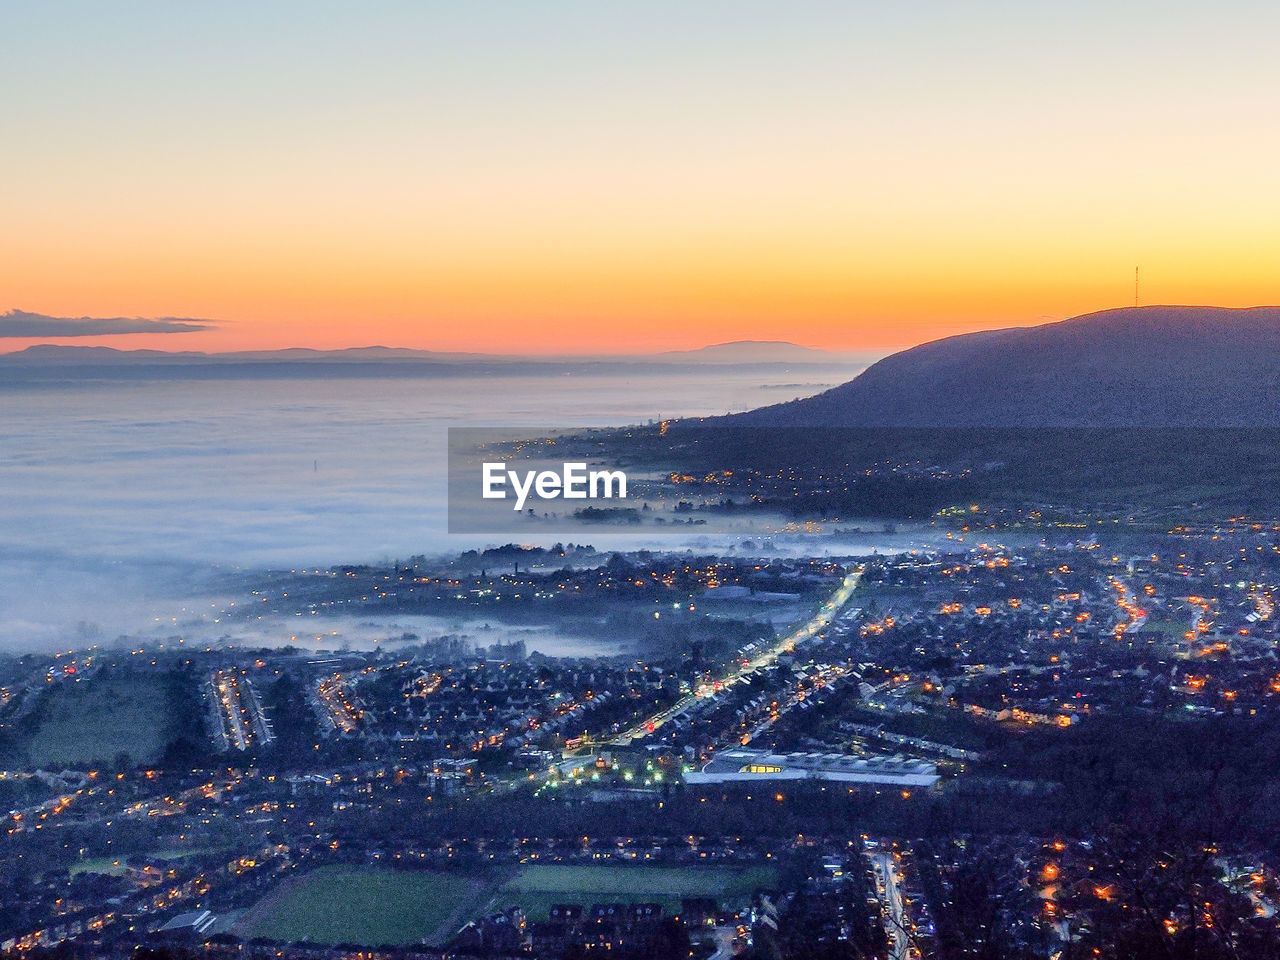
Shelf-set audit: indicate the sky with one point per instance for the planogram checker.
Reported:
(560, 177)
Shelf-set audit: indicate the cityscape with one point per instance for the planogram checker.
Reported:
(978, 749)
(664, 481)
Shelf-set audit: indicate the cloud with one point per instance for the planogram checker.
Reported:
(20, 323)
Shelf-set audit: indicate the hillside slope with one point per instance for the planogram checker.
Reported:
(1138, 366)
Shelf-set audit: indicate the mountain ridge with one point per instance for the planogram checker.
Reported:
(735, 351)
(1167, 365)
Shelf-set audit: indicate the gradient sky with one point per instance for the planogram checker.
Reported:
(578, 177)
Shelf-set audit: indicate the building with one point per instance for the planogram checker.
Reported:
(197, 925)
(750, 765)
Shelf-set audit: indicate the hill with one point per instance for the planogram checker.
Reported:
(1134, 367)
(1171, 411)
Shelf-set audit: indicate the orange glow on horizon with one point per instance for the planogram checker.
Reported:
(604, 286)
(621, 180)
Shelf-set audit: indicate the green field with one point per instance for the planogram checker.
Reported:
(1175, 630)
(372, 906)
(109, 865)
(96, 719)
(367, 906)
(118, 867)
(537, 888)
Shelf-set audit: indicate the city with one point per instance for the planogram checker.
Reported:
(904, 753)
(645, 481)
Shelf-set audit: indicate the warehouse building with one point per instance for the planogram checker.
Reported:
(748, 765)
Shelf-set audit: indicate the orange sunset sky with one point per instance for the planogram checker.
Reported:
(585, 177)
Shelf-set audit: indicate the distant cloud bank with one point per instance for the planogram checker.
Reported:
(20, 323)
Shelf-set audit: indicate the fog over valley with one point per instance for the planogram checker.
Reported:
(125, 505)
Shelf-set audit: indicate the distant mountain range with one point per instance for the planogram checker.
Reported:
(56, 360)
(751, 351)
(1134, 367)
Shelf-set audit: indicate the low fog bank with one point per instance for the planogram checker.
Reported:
(124, 506)
(53, 601)
(343, 632)
(57, 600)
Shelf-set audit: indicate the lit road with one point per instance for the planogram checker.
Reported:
(226, 687)
(828, 675)
(334, 696)
(899, 944)
(739, 669)
(242, 718)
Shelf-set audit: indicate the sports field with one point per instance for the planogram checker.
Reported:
(373, 906)
(115, 866)
(1175, 629)
(538, 887)
(96, 719)
(367, 906)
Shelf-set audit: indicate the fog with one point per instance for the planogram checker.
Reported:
(126, 505)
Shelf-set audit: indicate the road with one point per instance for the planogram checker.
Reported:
(827, 676)
(226, 688)
(739, 669)
(333, 695)
(899, 943)
(243, 720)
